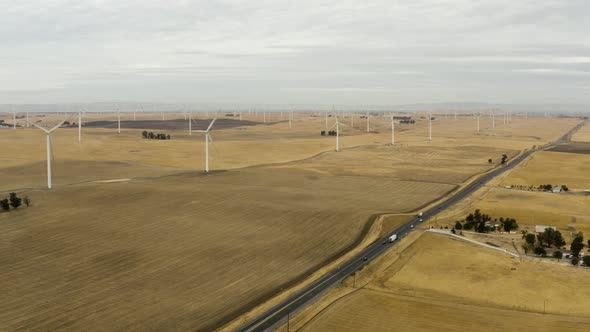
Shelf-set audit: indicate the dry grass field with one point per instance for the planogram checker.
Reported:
(555, 168)
(443, 284)
(583, 135)
(172, 248)
(180, 252)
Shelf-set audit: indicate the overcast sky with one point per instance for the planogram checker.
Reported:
(300, 52)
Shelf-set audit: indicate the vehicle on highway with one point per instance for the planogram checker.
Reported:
(392, 238)
(420, 220)
(420, 214)
(411, 226)
(365, 258)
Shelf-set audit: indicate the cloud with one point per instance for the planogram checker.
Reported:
(274, 51)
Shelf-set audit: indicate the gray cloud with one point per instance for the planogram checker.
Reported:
(379, 52)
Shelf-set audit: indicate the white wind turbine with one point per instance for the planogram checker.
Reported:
(337, 124)
(368, 126)
(392, 131)
(49, 150)
(207, 139)
(429, 127)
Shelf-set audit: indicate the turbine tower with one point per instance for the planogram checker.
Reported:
(190, 123)
(429, 127)
(49, 149)
(392, 131)
(368, 126)
(337, 124)
(118, 122)
(207, 139)
(79, 126)
(13, 120)
(478, 123)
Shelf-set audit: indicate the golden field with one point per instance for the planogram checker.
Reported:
(172, 248)
(440, 283)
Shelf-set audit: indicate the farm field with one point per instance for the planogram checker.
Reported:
(555, 168)
(171, 248)
(181, 252)
(583, 135)
(434, 284)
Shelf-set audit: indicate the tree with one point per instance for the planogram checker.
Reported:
(540, 251)
(4, 204)
(588, 243)
(586, 260)
(575, 261)
(557, 254)
(504, 158)
(15, 201)
(27, 201)
(458, 226)
(168, 136)
(530, 239)
(509, 224)
(565, 188)
(144, 134)
(470, 218)
(489, 161)
(577, 245)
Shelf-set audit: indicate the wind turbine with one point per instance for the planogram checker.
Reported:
(190, 125)
(118, 122)
(478, 123)
(79, 126)
(49, 149)
(493, 120)
(13, 120)
(207, 139)
(337, 124)
(392, 131)
(429, 127)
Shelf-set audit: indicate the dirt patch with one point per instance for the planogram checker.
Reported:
(573, 147)
(175, 124)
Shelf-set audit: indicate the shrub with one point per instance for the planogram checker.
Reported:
(575, 261)
(458, 226)
(557, 254)
(540, 251)
(27, 201)
(4, 204)
(586, 260)
(15, 201)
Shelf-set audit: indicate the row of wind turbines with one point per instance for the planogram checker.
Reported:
(208, 138)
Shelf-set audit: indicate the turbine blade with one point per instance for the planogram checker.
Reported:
(211, 125)
(332, 126)
(56, 126)
(45, 130)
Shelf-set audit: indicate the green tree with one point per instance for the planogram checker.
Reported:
(540, 251)
(144, 134)
(586, 260)
(509, 224)
(15, 201)
(577, 244)
(530, 239)
(557, 254)
(489, 161)
(504, 158)
(4, 204)
(27, 201)
(458, 226)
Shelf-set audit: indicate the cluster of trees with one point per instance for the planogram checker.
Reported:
(549, 238)
(402, 117)
(407, 121)
(543, 187)
(504, 159)
(151, 135)
(330, 133)
(477, 221)
(14, 201)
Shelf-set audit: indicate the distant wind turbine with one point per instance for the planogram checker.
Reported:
(79, 126)
(49, 150)
(429, 127)
(392, 131)
(207, 139)
(368, 125)
(337, 124)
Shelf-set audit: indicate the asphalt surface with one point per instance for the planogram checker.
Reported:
(306, 295)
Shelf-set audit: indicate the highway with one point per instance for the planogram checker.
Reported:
(306, 295)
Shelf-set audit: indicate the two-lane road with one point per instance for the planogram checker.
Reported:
(304, 296)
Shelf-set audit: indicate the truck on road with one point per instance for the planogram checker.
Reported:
(420, 214)
(392, 238)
